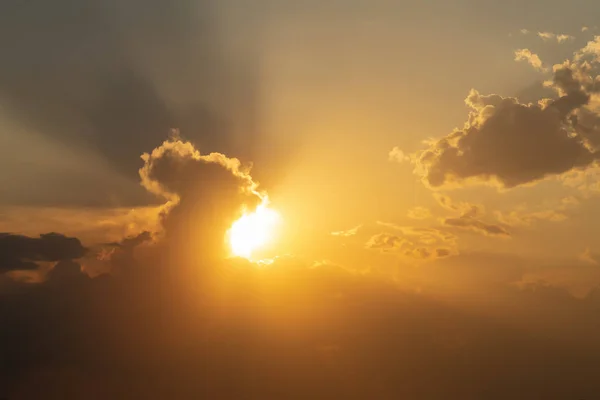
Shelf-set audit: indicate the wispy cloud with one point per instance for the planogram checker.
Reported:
(558, 37)
(348, 232)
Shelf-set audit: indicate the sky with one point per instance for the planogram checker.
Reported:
(430, 173)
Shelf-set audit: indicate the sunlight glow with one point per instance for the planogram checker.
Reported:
(252, 231)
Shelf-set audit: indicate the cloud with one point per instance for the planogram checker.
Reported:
(531, 58)
(516, 218)
(425, 244)
(385, 242)
(465, 209)
(506, 143)
(522, 217)
(204, 193)
(424, 253)
(90, 225)
(560, 38)
(477, 226)
(418, 213)
(19, 252)
(143, 327)
(348, 232)
(584, 29)
(397, 155)
(586, 181)
(439, 235)
(524, 31)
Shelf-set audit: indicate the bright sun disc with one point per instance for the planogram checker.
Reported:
(252, 231)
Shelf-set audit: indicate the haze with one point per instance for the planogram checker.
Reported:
(299, 200)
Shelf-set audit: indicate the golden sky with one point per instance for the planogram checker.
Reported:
(325, 199)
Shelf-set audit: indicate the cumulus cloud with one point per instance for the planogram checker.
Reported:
(397, 155)
(506, 143)
(19, 252)
(531, 58)
(204, 193)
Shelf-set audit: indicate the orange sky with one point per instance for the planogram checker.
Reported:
(431, 173)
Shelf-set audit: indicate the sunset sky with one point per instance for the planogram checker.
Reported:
(311, 199)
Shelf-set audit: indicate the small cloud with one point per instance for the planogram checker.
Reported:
(559, 37)
(397, 155)
(584, 29)
(531, 58)
(464, 208)
(524, 31)
(385, 242)
(477, 226)
(423, 253)
(419, 213)
(347, 233)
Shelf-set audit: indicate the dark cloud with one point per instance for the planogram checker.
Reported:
(508, 143)
(296, 331)
(19, 252)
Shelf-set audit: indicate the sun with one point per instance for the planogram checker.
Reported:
(252, 231)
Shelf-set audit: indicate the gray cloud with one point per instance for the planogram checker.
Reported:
(19, 252)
